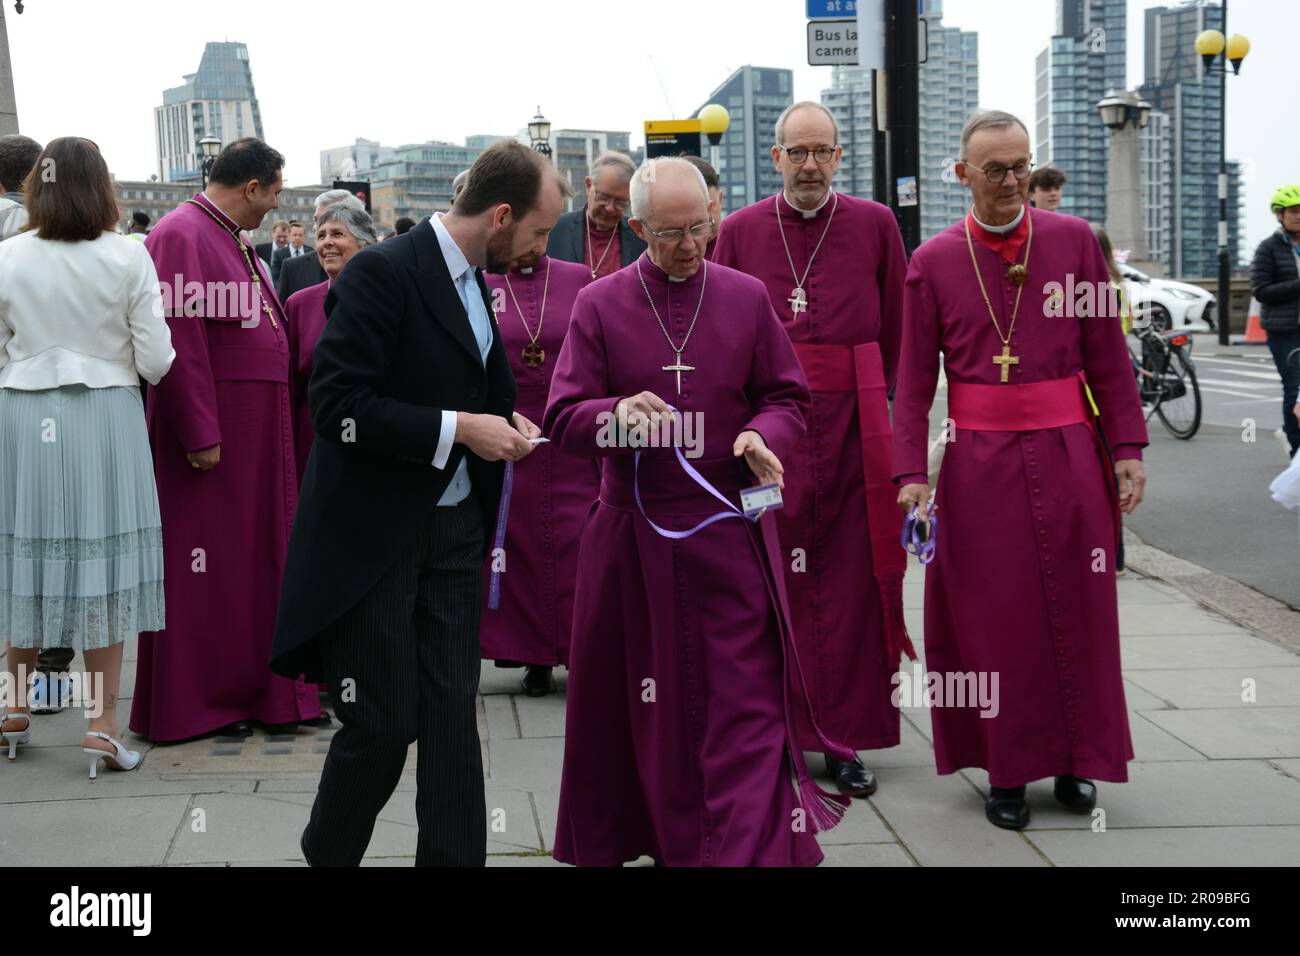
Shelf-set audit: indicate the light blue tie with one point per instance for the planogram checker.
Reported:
(476, 309)
(470, 297)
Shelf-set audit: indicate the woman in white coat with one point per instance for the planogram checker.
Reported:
(81, 323)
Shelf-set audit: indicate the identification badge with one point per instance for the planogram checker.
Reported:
(756, 501)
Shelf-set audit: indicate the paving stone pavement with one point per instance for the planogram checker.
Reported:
(1214, 711)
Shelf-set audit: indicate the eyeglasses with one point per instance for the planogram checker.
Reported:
(605, 199)
(996, 174)
(798, 154)
(701, 230)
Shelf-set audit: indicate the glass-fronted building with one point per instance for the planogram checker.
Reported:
(949, 95)
(1082, 62)
(218, 100)
(755, 96)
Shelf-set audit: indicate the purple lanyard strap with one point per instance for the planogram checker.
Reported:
(700, 480)
(499, 539)
(914, 542)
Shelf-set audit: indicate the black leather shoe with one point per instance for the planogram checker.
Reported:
(537, 681)
(1006, 808)
(1076, 794)
(240, 728)
(302, 845)
(852, 778)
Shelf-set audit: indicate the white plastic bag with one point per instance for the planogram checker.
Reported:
(1286, 486)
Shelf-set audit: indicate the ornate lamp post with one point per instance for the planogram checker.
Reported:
(209, 149)
(1212, 46)
(539, 131)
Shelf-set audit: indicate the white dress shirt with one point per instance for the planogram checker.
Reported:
(80, 313)
(462, 276)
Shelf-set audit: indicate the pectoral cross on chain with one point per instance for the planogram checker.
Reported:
(798, 300)
(679, 367)
(1006, 360)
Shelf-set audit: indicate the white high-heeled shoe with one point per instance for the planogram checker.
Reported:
(15, 737)
(122, 759)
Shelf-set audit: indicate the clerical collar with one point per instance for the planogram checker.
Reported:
(808, 213)
(230, 220)
(591, 223)
(999, 230)
(652, 271)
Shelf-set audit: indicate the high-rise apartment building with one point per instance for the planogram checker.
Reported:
(1082, 62)
(949, 95)
(1177, 84)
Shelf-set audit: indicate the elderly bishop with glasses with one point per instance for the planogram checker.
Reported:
(833, 266)
(1022, 587)
(679, 739)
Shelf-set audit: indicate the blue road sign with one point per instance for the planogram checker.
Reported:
(832, 9)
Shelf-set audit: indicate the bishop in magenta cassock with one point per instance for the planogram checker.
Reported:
(1021, 596)
(679, 742)
(221, 428)
(530, 579)
(833, 266)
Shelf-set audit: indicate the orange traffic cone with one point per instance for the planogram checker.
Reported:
(1255, 334)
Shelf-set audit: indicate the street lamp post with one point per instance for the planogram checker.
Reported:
(714, 120)
(209, 149)
(1211, 44)
(1125, 114)
(539, 131)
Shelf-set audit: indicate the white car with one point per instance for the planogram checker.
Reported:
(1169, 304)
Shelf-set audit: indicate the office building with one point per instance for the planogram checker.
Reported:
(755, 96)
(949, 94)
(1082, 62)
(218, 100)
(416, 181)
(355, 162)
(1177, 84)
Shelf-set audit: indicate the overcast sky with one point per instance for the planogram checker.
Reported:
(402, 72)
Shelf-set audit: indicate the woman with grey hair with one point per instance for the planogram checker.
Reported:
(341, 232)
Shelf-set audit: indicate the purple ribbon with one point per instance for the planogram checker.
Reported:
(912, 541)
(499, 539)
(699, 480)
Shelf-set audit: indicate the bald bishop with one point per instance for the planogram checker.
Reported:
(679, 742)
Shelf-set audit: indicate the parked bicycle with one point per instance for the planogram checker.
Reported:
(1166, 378)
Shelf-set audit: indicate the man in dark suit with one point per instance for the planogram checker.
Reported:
(598, 235)
(297, 247)
(279, 238)
(412, 400)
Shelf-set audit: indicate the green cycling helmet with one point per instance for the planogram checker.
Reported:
(1285, 198)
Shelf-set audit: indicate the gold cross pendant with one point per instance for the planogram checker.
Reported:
(1006, 360)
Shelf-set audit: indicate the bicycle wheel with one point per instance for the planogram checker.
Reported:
(1180, 405)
